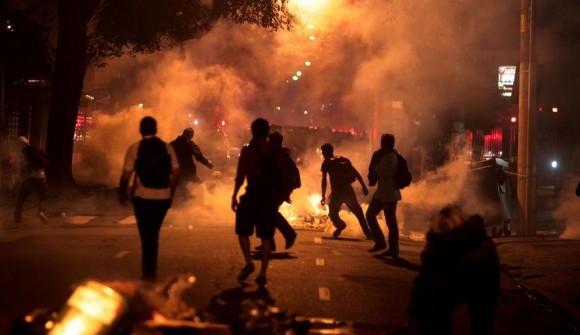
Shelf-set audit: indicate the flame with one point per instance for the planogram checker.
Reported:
(311, 213)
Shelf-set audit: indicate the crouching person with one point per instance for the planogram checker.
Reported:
(459, 265)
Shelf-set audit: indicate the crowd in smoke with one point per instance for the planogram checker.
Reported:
(363, 54)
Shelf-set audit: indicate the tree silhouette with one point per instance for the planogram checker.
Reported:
(97, 29)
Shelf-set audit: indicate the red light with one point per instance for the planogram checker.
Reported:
(540, 109)
(514, 119)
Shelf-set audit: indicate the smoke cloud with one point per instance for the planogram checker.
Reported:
(364, 67)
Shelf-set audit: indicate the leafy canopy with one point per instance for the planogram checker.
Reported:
(146, 26)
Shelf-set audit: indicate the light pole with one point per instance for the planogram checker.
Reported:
(527, 125)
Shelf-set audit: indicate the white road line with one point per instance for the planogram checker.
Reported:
(320, 261)
(121, 254)
(80, 219)
(317, 240)
(324, 293)
(129, 220)
(337, 253)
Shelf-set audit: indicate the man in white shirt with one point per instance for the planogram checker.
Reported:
(156, 174)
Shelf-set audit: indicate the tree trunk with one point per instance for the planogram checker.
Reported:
(69, 71)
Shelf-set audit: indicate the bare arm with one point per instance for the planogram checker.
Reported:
(123, 185)
(361, 181)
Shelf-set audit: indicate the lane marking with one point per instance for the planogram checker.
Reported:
(320, 261)
(317, 240)
(121, 254)
(337, 253)
(129, 220)
(80, 219)
(324, 293)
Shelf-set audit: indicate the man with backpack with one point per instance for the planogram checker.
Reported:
(290, 180)
(382, 172)
(342, 174)
(33, 180)
(186, 150)
(156, 170)
(258, 206)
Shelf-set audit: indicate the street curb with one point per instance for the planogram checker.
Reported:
(559, 309)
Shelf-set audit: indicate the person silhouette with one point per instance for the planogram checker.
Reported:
(342, 174)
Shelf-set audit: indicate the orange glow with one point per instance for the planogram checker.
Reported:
(310, 7)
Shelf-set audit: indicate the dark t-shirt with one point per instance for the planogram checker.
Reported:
(330, 166)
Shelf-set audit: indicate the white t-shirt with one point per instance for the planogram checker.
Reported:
(140, 190)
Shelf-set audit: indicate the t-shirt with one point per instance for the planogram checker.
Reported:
(140, 190)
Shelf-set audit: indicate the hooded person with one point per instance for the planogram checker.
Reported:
(186, 151)
(33, 176)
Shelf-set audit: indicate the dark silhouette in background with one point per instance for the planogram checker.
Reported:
(33, 179)
(382, 170)
(290, 180)
(342, 174)
(186, 150)
(258, 206)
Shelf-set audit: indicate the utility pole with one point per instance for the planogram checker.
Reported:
(527, 125)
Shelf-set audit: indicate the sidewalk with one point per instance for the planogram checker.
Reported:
(545, 267)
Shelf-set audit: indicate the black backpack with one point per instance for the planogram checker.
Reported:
(403, 177)
(290, 175)
(343, 170)
(153, 164)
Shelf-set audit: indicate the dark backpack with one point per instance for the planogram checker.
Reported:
(153, 164)
(343, 171)
(290, 175)
(403, 176)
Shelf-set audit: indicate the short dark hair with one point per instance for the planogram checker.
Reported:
(276, 139)
(148, 126)
(388, 141)
(327, 147)
(260, 128)
(188, 132)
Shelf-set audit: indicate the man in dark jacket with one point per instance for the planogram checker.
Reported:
(186, 150)
(33, 180)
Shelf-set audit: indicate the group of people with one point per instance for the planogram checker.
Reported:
(459, 263)
(382, 170)
(270, 175)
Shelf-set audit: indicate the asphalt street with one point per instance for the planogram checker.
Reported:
(543, 269)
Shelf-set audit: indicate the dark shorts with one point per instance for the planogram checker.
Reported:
(258, 212)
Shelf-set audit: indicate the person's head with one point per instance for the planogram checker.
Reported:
(327, 150)
(388, 141)
(188, 132)
(276, 139)
(260, 128)
(148, 126)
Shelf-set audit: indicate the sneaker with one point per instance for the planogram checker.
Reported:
(246, 271)
(290, 241)
(261, 280)
(338, 231)
(377, 247)
(43, 217)
(390, 253)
